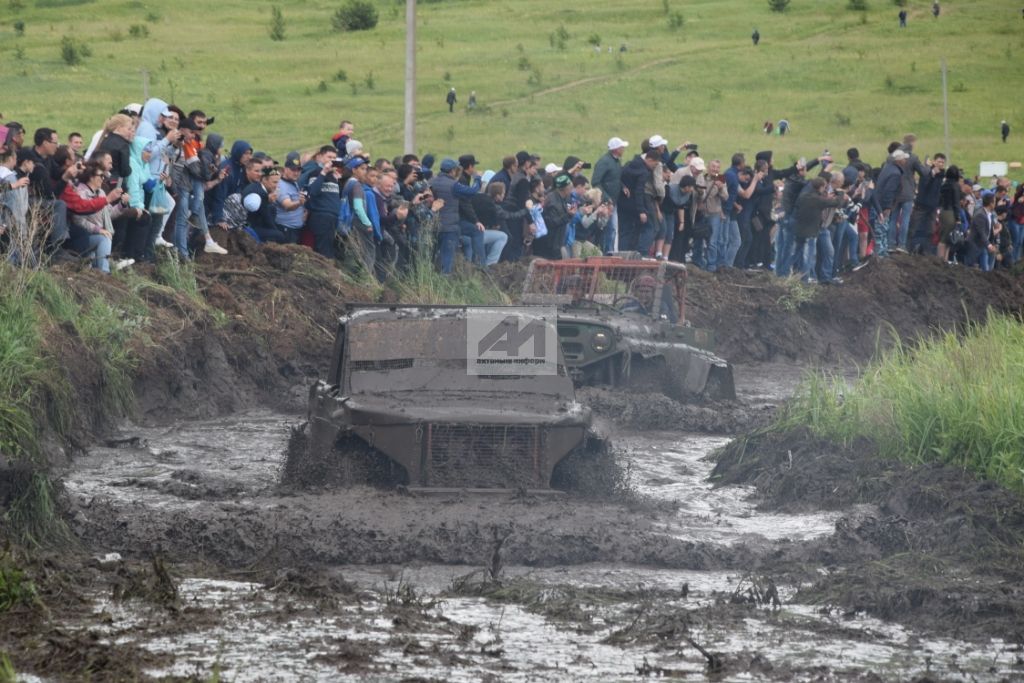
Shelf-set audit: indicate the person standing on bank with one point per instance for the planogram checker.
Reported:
(1004, 130)
(451, 100)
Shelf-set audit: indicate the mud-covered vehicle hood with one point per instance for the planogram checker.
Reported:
(433, 407)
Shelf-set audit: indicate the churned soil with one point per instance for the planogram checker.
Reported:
(928, 546)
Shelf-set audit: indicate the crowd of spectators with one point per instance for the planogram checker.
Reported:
(156, 178)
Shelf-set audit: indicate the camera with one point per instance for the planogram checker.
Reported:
(419, 187)
(691, 146)
(586, 165)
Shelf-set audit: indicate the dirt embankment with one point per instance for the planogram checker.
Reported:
(758, 317)
(261, 327)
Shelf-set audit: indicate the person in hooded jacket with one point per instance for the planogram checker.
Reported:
(139, 187)
(234, 181)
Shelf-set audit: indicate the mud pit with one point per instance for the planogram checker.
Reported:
(192, 559)
(345, 585)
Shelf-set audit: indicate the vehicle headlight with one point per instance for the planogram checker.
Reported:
(601, 342)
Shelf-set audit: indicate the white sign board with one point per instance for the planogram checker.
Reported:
(987, 169)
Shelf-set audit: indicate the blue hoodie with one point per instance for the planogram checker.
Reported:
(150, 119)
(148, 129)
(235, 181)
(140, 173)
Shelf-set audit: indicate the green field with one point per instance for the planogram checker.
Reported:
(841, 77)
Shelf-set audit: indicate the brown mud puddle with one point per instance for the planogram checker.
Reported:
(677, 579)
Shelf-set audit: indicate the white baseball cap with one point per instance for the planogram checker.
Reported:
(552, 168)
(900, 155)
(697, 163)
(657, 141)
(617, 143)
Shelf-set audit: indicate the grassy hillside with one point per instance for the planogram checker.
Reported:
(841, 77)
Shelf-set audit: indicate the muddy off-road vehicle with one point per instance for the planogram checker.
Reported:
(622, 321)
(398, 386)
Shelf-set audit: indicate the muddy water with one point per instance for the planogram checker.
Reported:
(403, 618)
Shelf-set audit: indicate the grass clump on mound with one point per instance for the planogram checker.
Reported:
(423, 284)
(955, 399)
(48, 334)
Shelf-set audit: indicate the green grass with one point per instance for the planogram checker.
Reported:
(954, 399)
(423, 284)
(841, 77)
(171, 272)
(36, 395)
(7, 671)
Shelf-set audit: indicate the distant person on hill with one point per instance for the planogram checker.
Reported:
(471, 105)
(903, 18)
(936, 9)
(1005, 130)
(755, 37)
(768, 127)
(451, 99)
(782, 126)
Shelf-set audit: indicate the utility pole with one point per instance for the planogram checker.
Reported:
(410, 76)
(945, 108)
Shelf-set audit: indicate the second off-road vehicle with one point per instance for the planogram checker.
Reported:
(622, 321)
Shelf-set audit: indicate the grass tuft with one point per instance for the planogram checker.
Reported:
(954, 399)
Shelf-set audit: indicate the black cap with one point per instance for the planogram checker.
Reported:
(687, 181)
(570, 163)
(467, 160)
(293, 161)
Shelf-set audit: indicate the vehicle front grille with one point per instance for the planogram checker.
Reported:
(483, 456)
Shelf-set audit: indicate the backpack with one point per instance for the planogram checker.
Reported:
(345, 214)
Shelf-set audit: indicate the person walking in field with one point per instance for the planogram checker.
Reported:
(936, 9)
(451, 100)
(1005, 130)
(755, 37)
(903, 18)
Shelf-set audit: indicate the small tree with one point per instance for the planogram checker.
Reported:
(355, 15)
(778, 5)
(73, 52)
(276, 23)
(858, 5)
